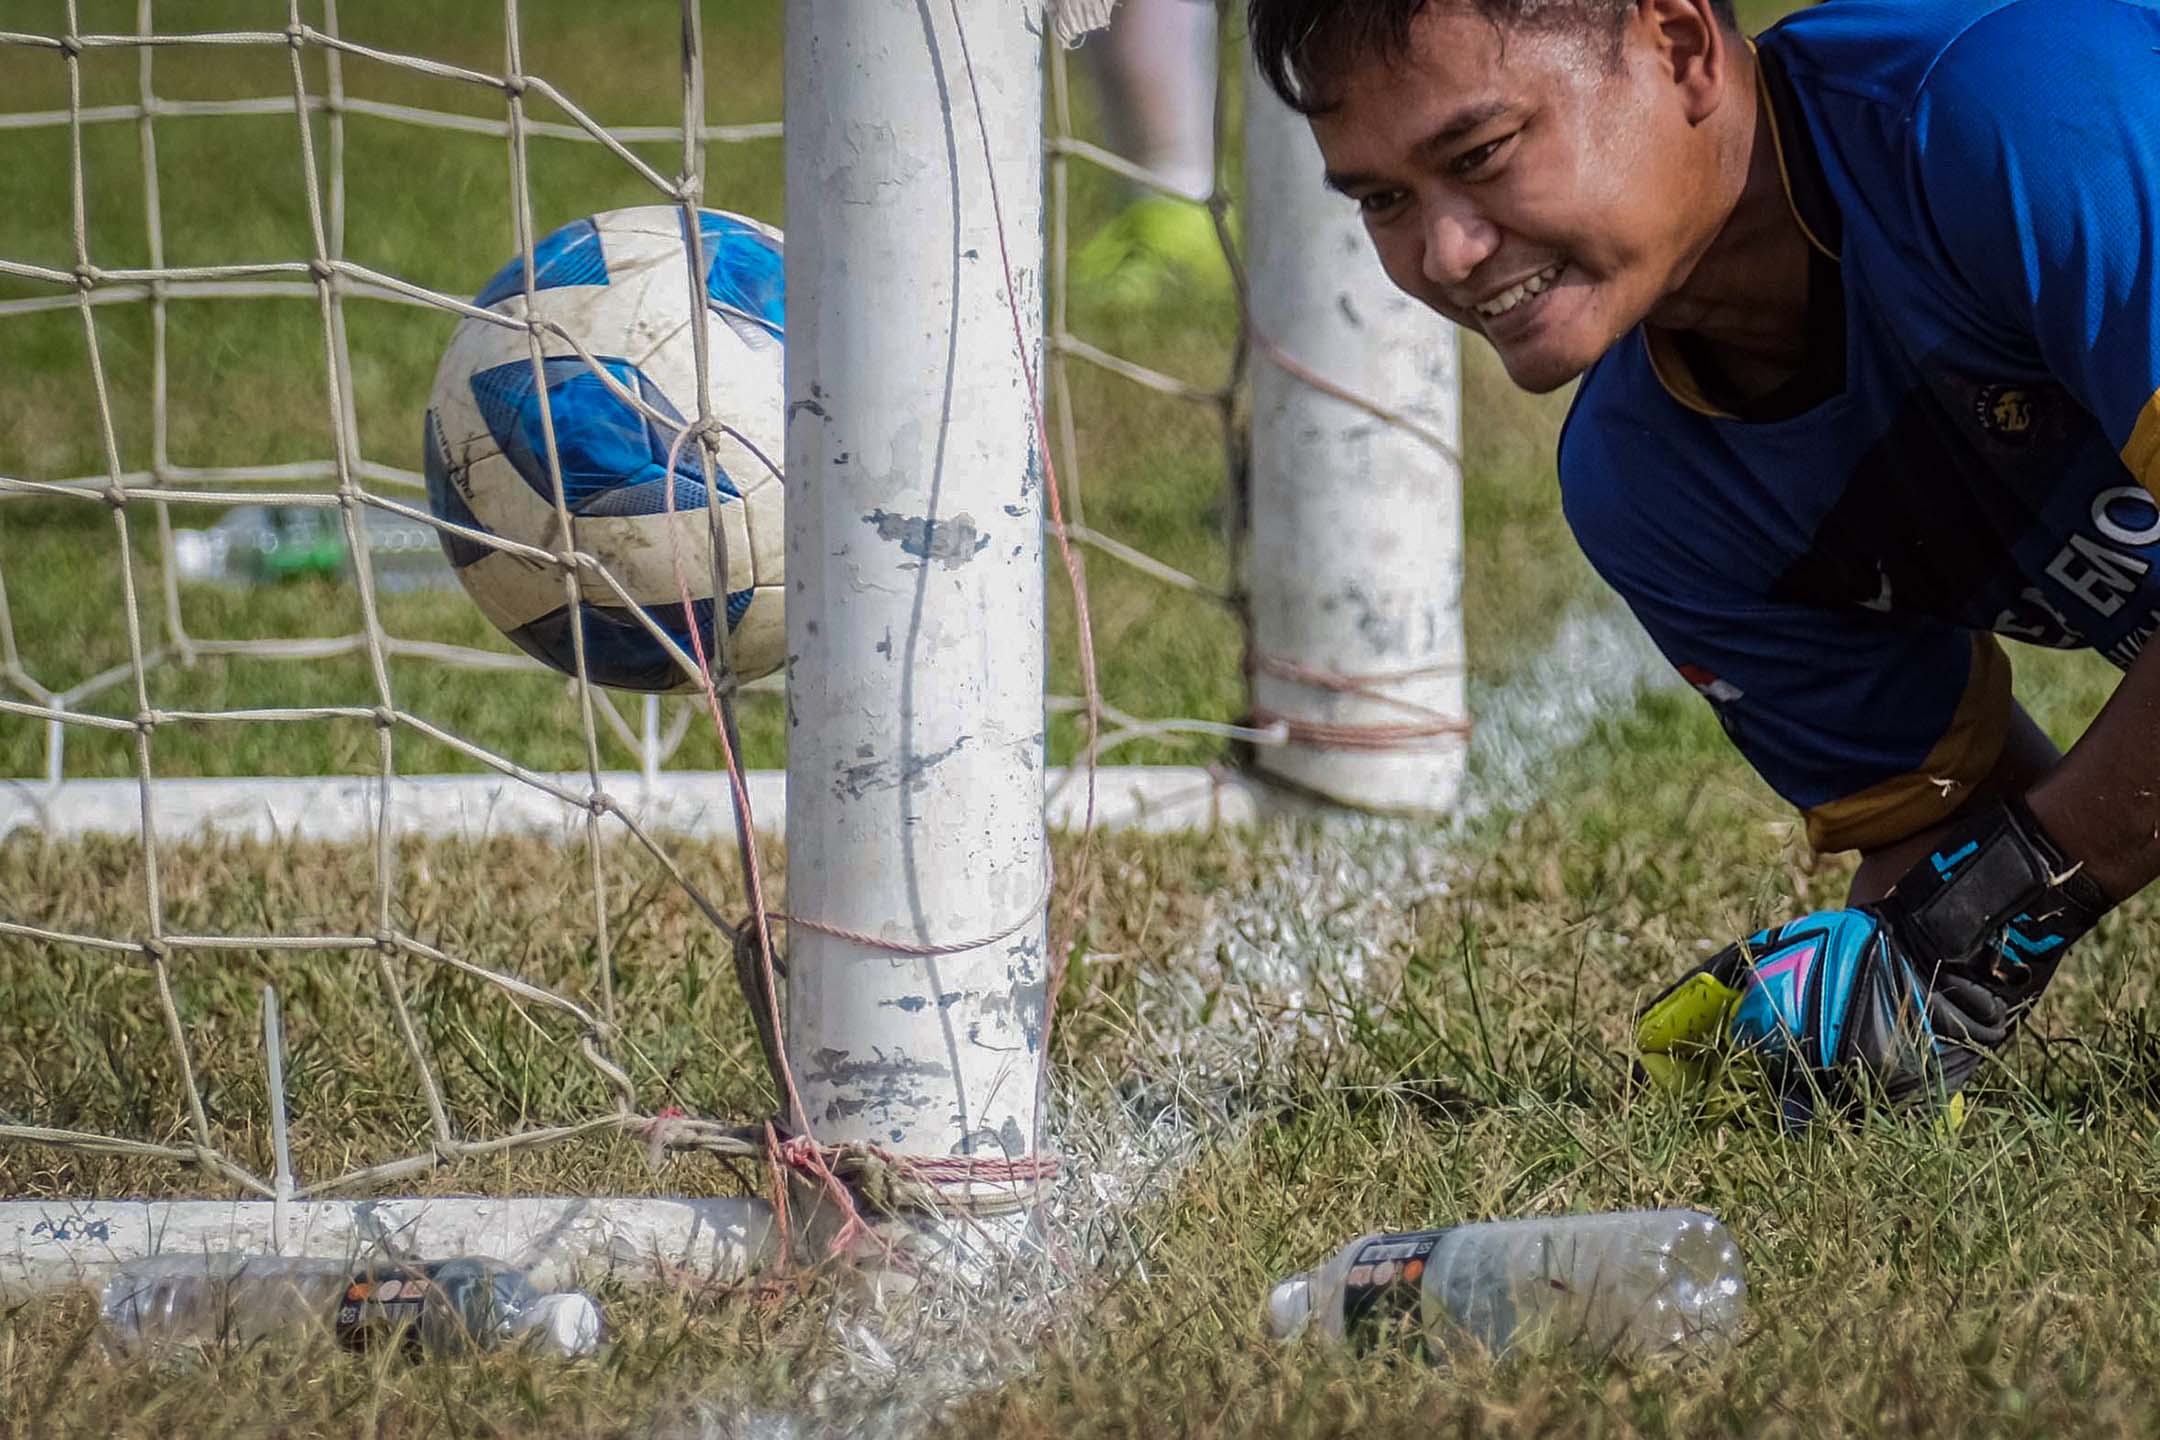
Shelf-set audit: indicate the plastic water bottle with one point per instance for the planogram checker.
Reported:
(1630, 1284)
(263, 545)
(168, 1302)
(404, 554)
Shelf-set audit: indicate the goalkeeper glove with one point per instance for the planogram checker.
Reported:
(1905, 994)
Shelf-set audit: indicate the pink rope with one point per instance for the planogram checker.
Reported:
(1328, 735)
(802, 1152)
(753, 872)
(1061, 943)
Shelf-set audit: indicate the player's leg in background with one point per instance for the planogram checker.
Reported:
(1155, 67)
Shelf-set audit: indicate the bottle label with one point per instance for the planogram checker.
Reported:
(1380, 1294)
(384, 1307)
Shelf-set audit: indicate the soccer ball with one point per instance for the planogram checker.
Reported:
(621, 284)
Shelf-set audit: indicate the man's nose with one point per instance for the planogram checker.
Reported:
(1457, 240)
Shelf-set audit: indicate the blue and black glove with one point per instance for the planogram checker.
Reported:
(1902, 997)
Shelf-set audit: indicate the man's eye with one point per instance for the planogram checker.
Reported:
(1379, 202)
(1471, 161)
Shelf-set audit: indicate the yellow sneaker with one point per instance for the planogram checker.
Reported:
(1155, 247)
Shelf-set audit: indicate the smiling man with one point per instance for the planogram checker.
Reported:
(1867, 320)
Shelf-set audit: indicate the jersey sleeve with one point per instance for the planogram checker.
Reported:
(2036, 155)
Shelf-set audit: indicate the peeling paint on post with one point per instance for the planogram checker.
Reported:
(955, 541)
(1354, 553)
(914, 532)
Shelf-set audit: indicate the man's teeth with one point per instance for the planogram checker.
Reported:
(1537, 284)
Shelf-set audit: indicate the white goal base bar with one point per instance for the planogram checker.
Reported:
(1153, 798)
(48, 1245)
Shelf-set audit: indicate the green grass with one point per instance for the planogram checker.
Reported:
(85, 1047)
(1902, 1282)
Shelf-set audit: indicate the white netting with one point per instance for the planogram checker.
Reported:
(331, 278)
(120, 701)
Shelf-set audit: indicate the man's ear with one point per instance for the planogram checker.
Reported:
(1693, 49)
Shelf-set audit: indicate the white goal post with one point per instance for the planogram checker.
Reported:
(930, 417)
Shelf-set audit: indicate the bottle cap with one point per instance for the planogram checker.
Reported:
(567, 1323)
(1289, 1305)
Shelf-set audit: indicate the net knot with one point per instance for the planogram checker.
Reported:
(708, 433)
(71, 46)
(599, 803)
(384, 717)
(86, 276)
(514, 86)
(295, 36)
(322, 269)
(661, 1131)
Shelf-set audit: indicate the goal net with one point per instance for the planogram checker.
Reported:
(254, 737)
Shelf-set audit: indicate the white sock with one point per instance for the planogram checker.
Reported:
(1156, 67)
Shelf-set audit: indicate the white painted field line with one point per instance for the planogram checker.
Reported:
(1597, 656)
(697, 803)
(1599, 659)
(48, 1245)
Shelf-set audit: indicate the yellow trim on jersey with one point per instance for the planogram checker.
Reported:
(1674, 374)
(1887, 812)
(1777, 146)
(1666, 363)
(2142, 452)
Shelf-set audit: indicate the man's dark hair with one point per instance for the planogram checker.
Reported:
(1298, 43)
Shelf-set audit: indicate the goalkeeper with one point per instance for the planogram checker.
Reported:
(1867, 320)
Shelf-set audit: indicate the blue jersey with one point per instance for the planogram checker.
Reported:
(1976, 447)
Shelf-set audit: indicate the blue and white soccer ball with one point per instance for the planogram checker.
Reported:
(620, 283)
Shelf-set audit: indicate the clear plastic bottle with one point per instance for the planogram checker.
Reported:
(227, 552)
(168, 1302)
(405, 554)
(1630, 1284)
(263, 545)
